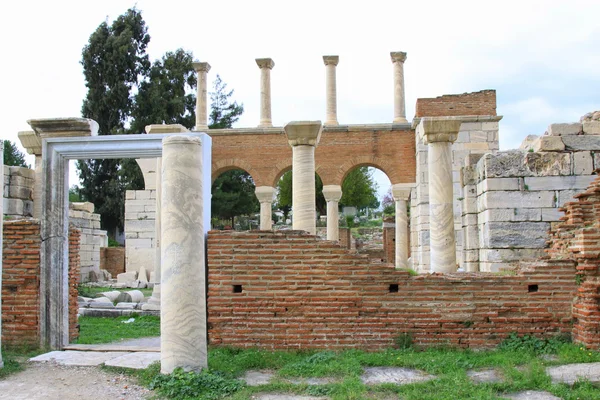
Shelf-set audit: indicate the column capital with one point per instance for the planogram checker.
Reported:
(398, 56)
(332, 192)
(331, 60)
(31, 142)
(265, 63)
(64, 127)
(265, 194)
(201, 66)
(439, 129)
(306, 133)
(401, 191)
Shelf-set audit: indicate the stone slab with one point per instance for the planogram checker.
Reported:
(257, 378)
(582, 142)
(510, 215)
(494, 184)
(558, 182)
(485, 376)
(399, 376)
(591, 127)
(516, 199)
(548, 143)
(518, 235)
(564, 129)
(136, 360)
(80, 358)
(571, 373)
(531, 395)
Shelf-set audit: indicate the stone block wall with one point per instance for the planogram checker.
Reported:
(18, 192)
(290, 290)
(140, 215)
(21, 282)
(512, 198)
(477, 135)
(93, 238)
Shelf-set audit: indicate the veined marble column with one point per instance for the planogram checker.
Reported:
(202, 69)
(303, 136)
(333, 194)
(1, 243)
(330, 89)
(265, 195)
(398, 58)
(401, 193)
(183, 297)
(265, 65)
(439, 133)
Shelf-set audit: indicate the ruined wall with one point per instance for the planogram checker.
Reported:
(477, 135)
(289, 290)
(112, 259)
(18, 191)
(389, 240)
(477, 103)
(21, 282)
(140, 215)
(82, 216)
(512, 198)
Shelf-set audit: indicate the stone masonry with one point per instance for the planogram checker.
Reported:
(18, 192)
(93, 239)
(140, 214)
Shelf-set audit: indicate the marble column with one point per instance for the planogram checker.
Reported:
(265, 195)
(303, 136)
(401, 193)
(183, 297)
(1, 243)
(438, 133)
(398, 58)
(333, 194)
(331, 63)
(202, 69)
(265, 65)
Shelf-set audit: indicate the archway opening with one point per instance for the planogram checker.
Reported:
(234, 203)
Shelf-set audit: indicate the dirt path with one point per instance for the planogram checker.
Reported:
(50, 381)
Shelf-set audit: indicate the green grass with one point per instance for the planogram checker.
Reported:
(91, 291)
(15, 358)
(105, 330)
(522, 365)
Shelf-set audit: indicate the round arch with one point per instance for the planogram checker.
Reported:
(364, 161)
(223, 166)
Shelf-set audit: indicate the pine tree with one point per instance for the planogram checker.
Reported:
(12, 155)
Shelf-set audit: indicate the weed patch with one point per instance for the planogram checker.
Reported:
(205, 385)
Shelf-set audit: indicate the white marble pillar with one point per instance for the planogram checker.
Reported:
(202, 69)
(1, 243)
(333, 194)
(438, 134)
(398, 58)
(331, 63)
(265, 195)
(401, 193)
(183, 297)
(303, 136)
(265, 65)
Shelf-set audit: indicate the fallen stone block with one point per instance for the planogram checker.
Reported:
(131, 296)
(528, 142)
(112, 295)
(565, 129)
(103, 305)
(128, 306)
(548, 143)
(127, 277)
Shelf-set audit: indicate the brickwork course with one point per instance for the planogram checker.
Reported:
(450, 105)
(21, 282)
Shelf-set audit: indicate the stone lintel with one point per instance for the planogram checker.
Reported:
(265, 194)
(401, 191)
(332, 192)
(85, 206)
(165, 128)
(307, 133)
(439, 129)
(331, 60)
(31, 142)
(201, 66)
(398, 56)
(265, 63)
(64, 127)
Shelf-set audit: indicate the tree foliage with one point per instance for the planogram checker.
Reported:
(223, 113)
(233, 195)
(12, 155)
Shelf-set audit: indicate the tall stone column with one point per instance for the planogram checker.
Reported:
(1, 243)
(438, 134)
(303, 136)
(265, 195)
(401, 193)
(331, 63)
(398, 58)
(183, 299)
(333, 194)
(202, 69)
(265, 65)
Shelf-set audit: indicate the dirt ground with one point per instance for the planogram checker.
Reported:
(50, 381)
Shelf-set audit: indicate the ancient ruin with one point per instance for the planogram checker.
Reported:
(486, 229)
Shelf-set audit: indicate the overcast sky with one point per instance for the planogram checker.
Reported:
(542, 57)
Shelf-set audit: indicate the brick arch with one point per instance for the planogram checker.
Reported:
(225, 165)
(281, 168)
(361, 161)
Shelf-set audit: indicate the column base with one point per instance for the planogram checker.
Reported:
(265, 125)
(400, 120)
(330, 123)
(200, 128)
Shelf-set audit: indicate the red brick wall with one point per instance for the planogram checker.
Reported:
(21, 282)
(345, 238)
(112, 259)
(298, 292)
(477, 103)
(389, 240)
